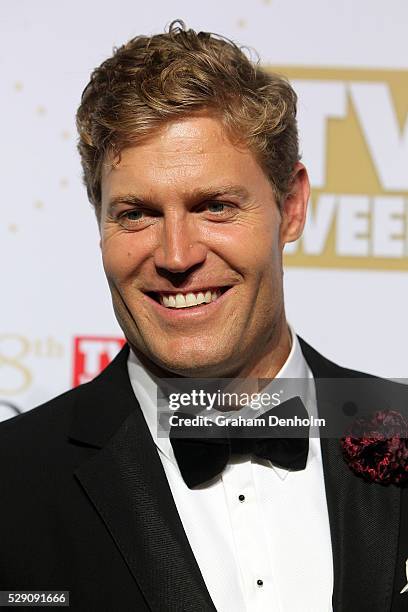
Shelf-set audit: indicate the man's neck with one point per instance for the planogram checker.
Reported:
(271, 360)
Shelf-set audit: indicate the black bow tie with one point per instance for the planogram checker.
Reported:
(201, 456)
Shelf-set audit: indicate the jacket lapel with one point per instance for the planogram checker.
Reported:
(126, 483)
(364, 517)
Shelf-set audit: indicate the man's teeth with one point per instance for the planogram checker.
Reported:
(181, 300)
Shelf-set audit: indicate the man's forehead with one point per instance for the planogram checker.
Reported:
(183, 139)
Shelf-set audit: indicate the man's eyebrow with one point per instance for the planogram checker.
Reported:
(195, 195)
(127, 198)
(223, 190)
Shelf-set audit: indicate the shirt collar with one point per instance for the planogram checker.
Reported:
(145, 383)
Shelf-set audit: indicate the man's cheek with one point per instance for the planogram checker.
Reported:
(117, 264)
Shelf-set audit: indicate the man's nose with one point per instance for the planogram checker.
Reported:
(180, 247)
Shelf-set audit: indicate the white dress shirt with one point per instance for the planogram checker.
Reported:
(260, 534)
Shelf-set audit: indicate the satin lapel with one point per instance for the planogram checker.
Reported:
(364, 517)
(126, 483)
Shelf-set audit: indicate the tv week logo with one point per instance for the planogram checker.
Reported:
(91, 355)
(354, 140)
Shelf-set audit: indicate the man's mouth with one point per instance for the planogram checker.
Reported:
(188, 299)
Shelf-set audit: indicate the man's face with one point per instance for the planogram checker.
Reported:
(190, 219)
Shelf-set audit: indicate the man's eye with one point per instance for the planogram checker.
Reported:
(134, 219)
(131, 215)
(218, 207)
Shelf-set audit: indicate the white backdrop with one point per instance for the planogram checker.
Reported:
(346, 284)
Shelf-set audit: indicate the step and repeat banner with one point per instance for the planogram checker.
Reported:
(345, 280)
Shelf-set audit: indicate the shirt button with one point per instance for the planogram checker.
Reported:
(259, 583)
(241, 497)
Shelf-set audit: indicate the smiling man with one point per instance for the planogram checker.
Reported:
(191, 161)
(193, 254)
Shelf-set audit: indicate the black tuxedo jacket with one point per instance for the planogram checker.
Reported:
(85, 506)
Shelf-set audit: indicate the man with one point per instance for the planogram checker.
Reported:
(190, 158)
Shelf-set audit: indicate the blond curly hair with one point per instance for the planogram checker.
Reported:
(151, 80)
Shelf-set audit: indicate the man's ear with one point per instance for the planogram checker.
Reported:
(294, 206)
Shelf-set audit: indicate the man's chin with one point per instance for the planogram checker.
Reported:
(200, 356)
(185, 363)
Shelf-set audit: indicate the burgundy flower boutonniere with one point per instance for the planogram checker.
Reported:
(377, 449)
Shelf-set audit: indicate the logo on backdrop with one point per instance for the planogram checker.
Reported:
(354, 142)
(91, 355)
(20, 356)
(17, 352)
(26, 363)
